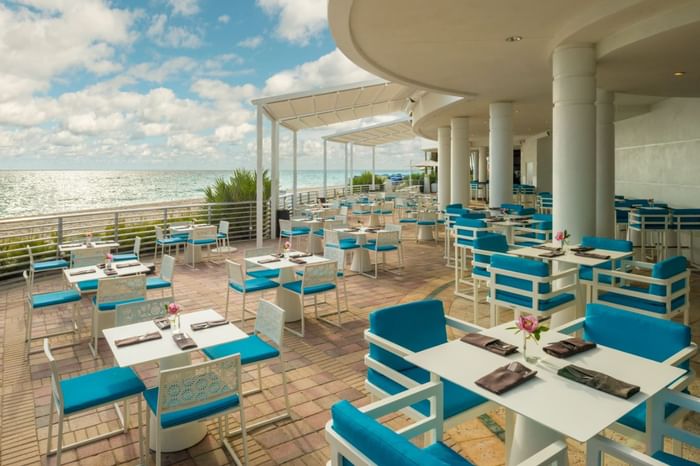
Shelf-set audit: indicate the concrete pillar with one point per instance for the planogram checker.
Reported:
(501, 156)
(347, 180)
(374, 150)
(574, 141)
(325, 169)
(605, 164)
(459, 156)
(274, 175)
(294, 171)
(259, 179)
(352, 166)
(444, 165)
(483, 166)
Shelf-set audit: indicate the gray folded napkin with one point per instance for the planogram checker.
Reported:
(506, 378)
(184, 341)
(592, 255)
(548, 248)
(125, 265)
(569, 347)
(138, 339)
(599, 381)
(162, 323)
(552, 254)
(208, 324)
(489, 343)
(81, 272)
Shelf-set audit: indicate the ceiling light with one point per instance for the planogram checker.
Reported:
(514, 38)
(679, 74)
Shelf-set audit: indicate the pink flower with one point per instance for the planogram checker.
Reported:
(527, 323)
(559, 236)
(287, 245)
(109, 256)
(174, 308)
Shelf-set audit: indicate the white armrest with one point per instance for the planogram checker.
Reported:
(598, 445)
(462, 325)
(682, 355)
(386, 344)
(571, 327)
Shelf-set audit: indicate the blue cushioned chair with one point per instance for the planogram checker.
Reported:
(289, 230)
(426, 224)
(132, 256)
(200, 238)
(386, 242)
(398, 331)
(585, 274)
(661, 430)
(269, 323)
(685, 221)
(45, 265)
(317, 278)
(35, 301)
(525, 285)
(218, 394)
(90, 391)
(166, 278)
(238, 283)
(482, 249)
(544, 202)
(452, 212)
(535, 234)
(466, 230)
(632, 333)
(222, 234)
(110, 293)
(652, 224)
(667, 294)
(340, 240)
(168, 242)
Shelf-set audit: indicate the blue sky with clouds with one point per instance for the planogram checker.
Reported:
(162, 84)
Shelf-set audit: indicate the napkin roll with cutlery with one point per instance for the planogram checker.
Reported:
(208, 324)
(138, 339)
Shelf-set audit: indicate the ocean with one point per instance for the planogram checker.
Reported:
(43, 192)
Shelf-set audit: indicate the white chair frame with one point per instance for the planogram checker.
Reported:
(385, 238)
(142, 311)
(160, 235)
(338, 255)
(318, 274)
(236, 273)
(201, 233)
(88, 256)
(289, 225)
(462, 256)
(167, 273)
(661, 236)
(223, 229)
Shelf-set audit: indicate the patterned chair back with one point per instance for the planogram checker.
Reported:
(87, 257)
(142, 311)
(270, 322)
(121, 289)
(319, 274)
(234, 270)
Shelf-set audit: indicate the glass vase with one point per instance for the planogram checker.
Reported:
(529, 355)
(174, 320)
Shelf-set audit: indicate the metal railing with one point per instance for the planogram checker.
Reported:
(332, 192)
(45, 233)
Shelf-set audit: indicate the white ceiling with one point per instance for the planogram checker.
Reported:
(376, 135)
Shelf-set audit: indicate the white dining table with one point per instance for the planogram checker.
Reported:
(286, 299)
(166, 352)
(360, 256)
(93, 272)
(549, 407)
(68, 247)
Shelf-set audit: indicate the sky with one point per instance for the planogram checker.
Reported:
(165, 84)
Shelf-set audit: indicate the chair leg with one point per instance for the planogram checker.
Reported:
(141, 445)
(228, 293)
(475, 287)
(345, 294)
(59, 440)
(51, 408)
(158, 452)
(243, 309)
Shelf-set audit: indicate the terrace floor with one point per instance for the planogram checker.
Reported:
(324, 367)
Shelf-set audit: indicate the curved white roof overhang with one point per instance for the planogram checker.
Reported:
(376, 135)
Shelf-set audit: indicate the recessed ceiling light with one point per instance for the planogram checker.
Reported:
(679, 74)
(514, 38)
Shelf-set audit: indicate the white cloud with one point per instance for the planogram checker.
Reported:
(299, 21)
(224, 19)
(330, 70)
(184, 7)
(172, 36)
(154, 129)
(220, 91)
(159, 73)
(251, 42)
(231, 133)
(90, 123)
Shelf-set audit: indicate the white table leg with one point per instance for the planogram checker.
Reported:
(360, 261)
(527, 438)
(197, 254)
(425, 233)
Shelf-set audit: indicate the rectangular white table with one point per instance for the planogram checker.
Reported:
(360, 256)
(286, 299)
(68, 247)
(132, 268)
(549, 406)
(169, 355)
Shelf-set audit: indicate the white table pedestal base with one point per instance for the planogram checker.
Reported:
(527, 438)
(197, 254)
(360, 261)
(425, 233)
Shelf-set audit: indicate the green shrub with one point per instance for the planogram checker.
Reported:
(366, 178)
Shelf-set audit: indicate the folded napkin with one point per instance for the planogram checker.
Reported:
(268, 261)
(296, 255)
(138, 339)
(548, 248)
(102, 242)
(592, 255)
(494, 219)
(110, 272)
(489, 343)
(297, 261)
(184, 341)
(599, 381)
(552, 254)
(505, 378)
(124, 265)
(208, 324)
(81, 272)
(162, 323)
(72, 245)
(582, 248)
(568, 347)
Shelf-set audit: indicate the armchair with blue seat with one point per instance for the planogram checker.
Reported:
(525, 285)
(544, 202)
(652, 226)
(667, 291)
(44, 265)
(340, 240)
(238, 283)
(483, 248)
(130, 256)
(452, 212)
(398, 331)
(357, 437)
(200, 238)
(466, 230)
(534, 234)
(585, 274)
(632, 333)
(289, 230)
(685, 221)
(518, 209)
(661, 430)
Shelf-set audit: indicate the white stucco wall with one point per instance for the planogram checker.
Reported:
(536, 161)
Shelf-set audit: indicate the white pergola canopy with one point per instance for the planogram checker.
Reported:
(376, 135)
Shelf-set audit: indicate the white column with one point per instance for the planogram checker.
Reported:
(274, 175)
(373, 166)
(352, 166)
(347, 180)
(574, 141)
(259, 181)
(459, 157)
(605, 164)
(483, 166)
(294, 172)
(501, 156)
(325, 168)
(444, 165)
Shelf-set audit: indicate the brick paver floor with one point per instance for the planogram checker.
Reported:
(324, 367)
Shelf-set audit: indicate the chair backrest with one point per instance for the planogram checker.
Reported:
(649, 217)
(335, 254)
(332, 237)
(121, 289)
(204, 233)
(663, 427)
(256, 252)
(167, 268)
(426, 216)
(269, 321)
(137, 245)
(415, 326)
(159, 233)
(285, 224)
(319, 274)
(632, 332)
(55, 374)
(87, 257)
(394, 227)
(31, 256)
(199, 384)
(223, 226)
(607, 243)
(669, 268)
(515, 208)
(501, 265)
(542, 217)
(485, 246)
(234, 270)
(469, 228)
(141, 311)
(388, 238)
(686, 219)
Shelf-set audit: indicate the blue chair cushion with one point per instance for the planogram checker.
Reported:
(456, 399)
(640, 303)
(375, 441)
(407, 220)
(296, 231)
(415, 326)
(361, 212)
(173, 240)
(251, 349)
(296, 287)
(543, 304)
(264, 273)
(87, 285)
(345, 243)
(221, 235)
(426, 222)
(153, 283)
(184, 416)
(55, 298)
(382, 248)
(254, 284)
(201, 242)
(318, 233)
(523, 266)
(124, 257)
(110, 306)
(586, 273)
(672, 460)
(481, 272)
(99, 388)
(668, 268)
(637, 418)
(301, 273)
(50, 265)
